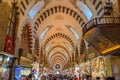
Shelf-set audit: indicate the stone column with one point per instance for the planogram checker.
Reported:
(119, 6)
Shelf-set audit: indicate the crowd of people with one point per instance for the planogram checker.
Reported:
(63, 77)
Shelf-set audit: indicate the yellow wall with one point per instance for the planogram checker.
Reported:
(115, 60)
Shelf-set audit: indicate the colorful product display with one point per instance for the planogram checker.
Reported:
(98, 67)
(85, 68)
(21, 71)
(5, 65)
(76, 71)
(35, 69)
(4, 73)
(95, 67)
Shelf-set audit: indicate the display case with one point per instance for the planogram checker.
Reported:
(98, 67)
(6, 62)
(85, 68)
(21, 70)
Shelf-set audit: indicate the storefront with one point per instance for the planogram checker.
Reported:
(98, 68)
(99, 65)
(35, 70)
(21, 70)
(6, 63)
(70, 71)
(114, 69)
(24, 66)
(84, 68)
(76, 70)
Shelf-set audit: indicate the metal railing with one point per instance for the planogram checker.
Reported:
(101, 21)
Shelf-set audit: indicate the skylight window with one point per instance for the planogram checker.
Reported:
(84, 8)
(34, 10)
(43, 33)
(70, 28)
(74, 32)
(48, 47)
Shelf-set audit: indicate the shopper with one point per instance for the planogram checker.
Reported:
(89, 77)
(30, 77)
(23, 77)
(97, 78)
(110, 78)
(75, 77)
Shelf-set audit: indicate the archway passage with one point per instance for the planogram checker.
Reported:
(57, 27)
(77, 37)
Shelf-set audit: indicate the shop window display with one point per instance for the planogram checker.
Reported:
(4, 73)
(5, 66)
(98, 67)
(21, 71)
(85, 68)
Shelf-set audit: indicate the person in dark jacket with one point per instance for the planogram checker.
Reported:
(23, 77)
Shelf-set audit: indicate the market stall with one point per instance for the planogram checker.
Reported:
(85, 68)
(98, 67)
(35, 70)
(21, 70)
(24, 66)
(76, 70)
(6, 62)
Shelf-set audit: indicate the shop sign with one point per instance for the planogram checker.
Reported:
(29, 55)
(108, 67)
(26, 54)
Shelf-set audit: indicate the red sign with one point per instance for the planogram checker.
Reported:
(9, 45)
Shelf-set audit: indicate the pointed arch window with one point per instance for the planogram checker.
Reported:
(35, 9)
(85, 9)
(43, 33)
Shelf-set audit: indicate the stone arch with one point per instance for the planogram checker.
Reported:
(59, 35)
(70, 56)
(58, 9)
(26, 38)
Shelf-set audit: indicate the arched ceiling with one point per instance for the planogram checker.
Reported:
(59, 30)
(58, 26)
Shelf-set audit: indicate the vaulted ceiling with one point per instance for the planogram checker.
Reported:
(57, 25)
(61, 31)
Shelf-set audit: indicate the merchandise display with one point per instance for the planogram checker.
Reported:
(4, 73)
(21, 71)
(85, 68)
(98, 67)
(5, 65)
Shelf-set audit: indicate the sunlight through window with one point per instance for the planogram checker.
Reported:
(35, 9)
(84, 8)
